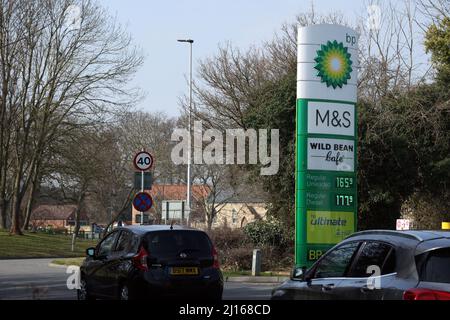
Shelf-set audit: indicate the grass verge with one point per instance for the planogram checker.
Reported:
(69, 261)
(41, 245)
(249, 273)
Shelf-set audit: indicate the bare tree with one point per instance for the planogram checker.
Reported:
(61, 72)
(140, 130)
(389, 57)
(217, 180)
(87, 167)
(231, 81)
(433, 11)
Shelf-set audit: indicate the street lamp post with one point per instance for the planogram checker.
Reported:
(188, 200)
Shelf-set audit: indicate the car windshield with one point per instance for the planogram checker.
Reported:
(174, 242)
(437, 267)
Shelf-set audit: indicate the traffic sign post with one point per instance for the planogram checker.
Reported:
(143, 161)
(143, 202)
(326, 151)
(148, 181)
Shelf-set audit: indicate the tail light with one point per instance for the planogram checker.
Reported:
(216, 258)
(425, 294)
(140, 260)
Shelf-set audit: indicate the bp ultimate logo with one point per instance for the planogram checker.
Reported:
(334, 64)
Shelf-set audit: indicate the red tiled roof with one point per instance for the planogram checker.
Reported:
(56, 212)
(178, 192)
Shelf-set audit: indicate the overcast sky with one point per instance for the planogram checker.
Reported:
(156, 25)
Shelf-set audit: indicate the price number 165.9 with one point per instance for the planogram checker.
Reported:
(346, 183)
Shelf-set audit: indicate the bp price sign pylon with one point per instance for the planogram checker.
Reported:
(326, 140)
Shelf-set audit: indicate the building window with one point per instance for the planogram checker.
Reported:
(234, 216)
(214, 213)
(138, 218)
(72, 223)
(244, 222)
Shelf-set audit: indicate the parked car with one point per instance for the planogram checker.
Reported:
(155, 262)
(411, 265)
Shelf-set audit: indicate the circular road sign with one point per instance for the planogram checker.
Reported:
(142, 202)
(143, 161)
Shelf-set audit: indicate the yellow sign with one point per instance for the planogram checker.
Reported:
(445, 225)
(327, 227)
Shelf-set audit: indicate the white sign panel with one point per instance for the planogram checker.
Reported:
(331, 155)
(403, 224)
(174, 210)
(327, 63)
(331, 118)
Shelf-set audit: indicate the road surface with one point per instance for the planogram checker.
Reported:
(34, 279)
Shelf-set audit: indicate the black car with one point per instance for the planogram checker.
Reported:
(154, 262)
(375, 265)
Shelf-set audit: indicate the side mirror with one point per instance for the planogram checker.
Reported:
(299, 274)
(90, 252)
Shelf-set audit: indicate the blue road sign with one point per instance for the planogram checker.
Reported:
(143, 202)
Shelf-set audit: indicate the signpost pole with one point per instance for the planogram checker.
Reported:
(143, 161)
(142, 190)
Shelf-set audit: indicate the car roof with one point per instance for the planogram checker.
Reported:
(140, 230)
(415, 235)
(408, 244)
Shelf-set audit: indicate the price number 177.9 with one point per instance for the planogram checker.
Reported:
(344, 200)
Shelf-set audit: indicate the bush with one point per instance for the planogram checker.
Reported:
(60, 231)
(235, 249)
(268, 232)
(426, 211)
(237, 259)
(274, 259)
(226, 238)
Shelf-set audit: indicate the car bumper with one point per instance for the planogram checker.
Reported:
(207, 287)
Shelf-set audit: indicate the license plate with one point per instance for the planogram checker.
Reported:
(178, 271)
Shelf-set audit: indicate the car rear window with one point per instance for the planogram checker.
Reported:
(175, 241)
(437, 266)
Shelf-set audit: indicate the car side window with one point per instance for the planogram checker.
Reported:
(335, 263)
(135, 242)
(390, 264)
(123, 243)
(374, 254)
(106, 245)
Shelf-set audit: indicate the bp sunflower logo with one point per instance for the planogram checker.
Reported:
(334, 64)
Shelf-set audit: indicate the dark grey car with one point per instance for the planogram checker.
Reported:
(375, 265)
(155, 262)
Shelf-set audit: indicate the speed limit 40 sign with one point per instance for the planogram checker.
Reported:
(143, 161)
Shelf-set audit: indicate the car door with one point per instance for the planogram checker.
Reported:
(327, 273)
(371, 273)
(98, 272)
(115, 266)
